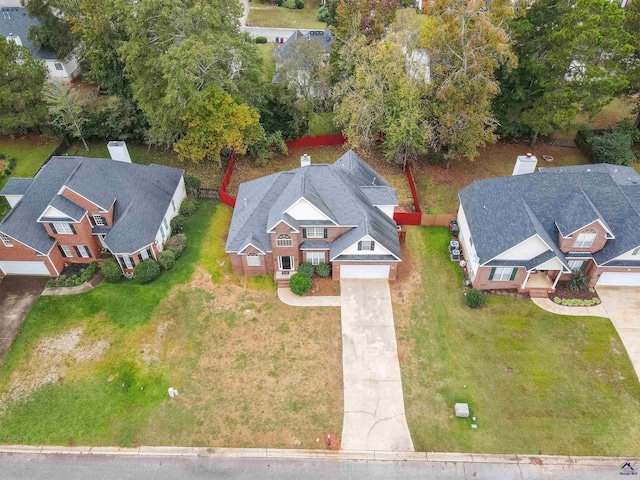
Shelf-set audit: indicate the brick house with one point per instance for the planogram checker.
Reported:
(76, 209)
(340, 214)
(530, 231)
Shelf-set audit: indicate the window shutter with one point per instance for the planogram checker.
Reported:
(514, 271)
(140, 257)
(325, 233)
(61, 251)
(304, 233)
(373, 245)
(75, 247)
(493, 271)
(73, 230)
(53, 227)
(360, 245)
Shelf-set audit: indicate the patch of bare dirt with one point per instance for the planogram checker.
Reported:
(324, 287)
(151, 351)
(51, 361)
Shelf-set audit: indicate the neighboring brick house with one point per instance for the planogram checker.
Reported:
(340, 214)
(77, 208)
(530, 231)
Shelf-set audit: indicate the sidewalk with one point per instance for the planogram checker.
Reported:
(287, 297)
(549, 306)
(372, 455)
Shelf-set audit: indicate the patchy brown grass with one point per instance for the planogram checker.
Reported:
(251, 371)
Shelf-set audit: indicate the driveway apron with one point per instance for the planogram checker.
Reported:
(374, 416)
(623, 306)
(17, 296)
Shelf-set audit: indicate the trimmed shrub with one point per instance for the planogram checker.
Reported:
(111, 271)
(299, 4)
(290, 4)
(177, 224)
(176, 244)
(78, 281)
(147, 271)
(188, 207)
(323, 14)
(60, 282)
(300, 283)
(306, 268)
(166, 259)
(323, 270)
(50, 284)
(474, 298)
(557, 300)
(578, 281)
(68, 282)
(73, 277)
(261, 40)
(191, 181)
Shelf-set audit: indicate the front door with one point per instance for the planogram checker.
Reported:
(286, 263)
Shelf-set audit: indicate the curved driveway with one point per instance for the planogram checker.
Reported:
(374, 417)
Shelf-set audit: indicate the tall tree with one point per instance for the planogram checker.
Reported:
(466, 42)
(632, 27)
(572, 55)
(215, 123)
(21, 85)
(178, 48)
(53, 30)
(367, 17)
(66, 110)
(383, 96)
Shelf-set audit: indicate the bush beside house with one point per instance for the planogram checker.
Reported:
(474, 298)
(111, 271)
(166, 259)
(146, 271)
(176, 244)
(323, 270)
(300, 283)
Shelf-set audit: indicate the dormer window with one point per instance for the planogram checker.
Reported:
(98, 220)
(284, 241)
(366, 245)
(585, 239)
(63, 228)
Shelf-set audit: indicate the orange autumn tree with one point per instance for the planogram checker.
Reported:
(217, 122)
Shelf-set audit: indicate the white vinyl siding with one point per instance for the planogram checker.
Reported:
(315, 258)
(253, 260)
(6, 240)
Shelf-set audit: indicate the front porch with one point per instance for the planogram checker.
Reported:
(282, 277)
(540, 284)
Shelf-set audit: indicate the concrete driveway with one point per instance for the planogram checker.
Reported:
(17, 296)
(623, 306)
(374, 417)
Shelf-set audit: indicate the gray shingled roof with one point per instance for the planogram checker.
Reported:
(71, 209)
(503, 212)
(16, 186)
(143, 194)
(16, 21)
(323, 37)
(334, 189)
(380, 195)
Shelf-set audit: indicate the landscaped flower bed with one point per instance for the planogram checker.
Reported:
(572, 298)
(73, 275)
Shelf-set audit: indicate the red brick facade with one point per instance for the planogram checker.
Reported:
(482, 282)
(568, 244)
(20, 252)
(335, 268)
(136, 259)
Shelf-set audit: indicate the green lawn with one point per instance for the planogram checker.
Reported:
(281, 17)
(30, 153)
(208, 172)
(268, 63)
(94, 369)
(572, 389)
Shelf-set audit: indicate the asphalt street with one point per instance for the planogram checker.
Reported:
(100, 467)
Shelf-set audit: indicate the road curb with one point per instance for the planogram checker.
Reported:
(373, 455)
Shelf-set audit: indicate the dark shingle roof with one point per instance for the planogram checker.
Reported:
(72, 210)
(16, 186)
(142, 194)
(333, 189)
(323, 37)
(503, 212)
(16, 21)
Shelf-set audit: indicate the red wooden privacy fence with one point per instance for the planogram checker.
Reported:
(319, 141)
(410, 218)
(224, 196)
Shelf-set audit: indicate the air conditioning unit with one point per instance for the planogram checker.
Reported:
(455, 256)
(454, 245)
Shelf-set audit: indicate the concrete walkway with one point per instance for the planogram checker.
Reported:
(374, 417)
(550, 306)
(287, 297)
(623, 307)
(85, 287)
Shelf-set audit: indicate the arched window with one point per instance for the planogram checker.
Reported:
(284, 241)
(585, 238)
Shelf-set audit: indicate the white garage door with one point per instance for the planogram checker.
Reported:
(24, 268)
(619, 279)
(364, 271)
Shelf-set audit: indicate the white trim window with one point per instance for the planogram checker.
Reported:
(83, 251)
(6, 240)
(98, 220)
(284, 241)
(366, 245)
(502, 274)
(315, 232)
(315, 258)
(144, 254)
(63, 228)
(128, 261)
(253, 260)
(66, 251)
(173, 204)
(576, 265)
(585, 239)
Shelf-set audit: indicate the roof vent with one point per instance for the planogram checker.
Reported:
(305, 160)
